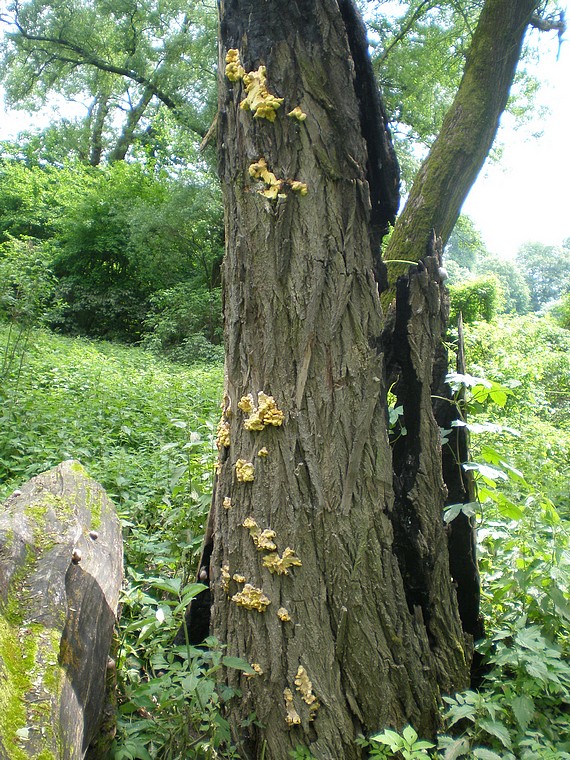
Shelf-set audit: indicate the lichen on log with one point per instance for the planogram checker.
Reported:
(60, 577)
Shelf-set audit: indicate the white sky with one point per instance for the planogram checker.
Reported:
(523, 198)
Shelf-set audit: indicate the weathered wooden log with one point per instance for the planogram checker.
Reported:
(61, 570)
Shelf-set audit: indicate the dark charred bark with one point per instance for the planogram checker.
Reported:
(460, 490)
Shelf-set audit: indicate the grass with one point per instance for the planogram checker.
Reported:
(113, 408)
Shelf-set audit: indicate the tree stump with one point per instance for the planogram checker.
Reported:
(61, 570)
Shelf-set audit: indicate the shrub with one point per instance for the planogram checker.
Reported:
(185, 324)
(479, 299)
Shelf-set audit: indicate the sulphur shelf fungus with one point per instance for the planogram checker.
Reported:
(281, 564)
(263, 539)
(274, 187)
(257, 99)
(297, 113)
(265, 413)
(223, 434)
(299, 187)
(246, 403)
(245, 471)
(234, 70)
(305, 689)
(263, 452)
(227, 502)
(283, 615)
(293, 718)
(225, 578)
(251, 598)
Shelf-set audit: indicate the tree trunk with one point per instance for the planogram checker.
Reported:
(358, 628)
(134, 116)
(99, 113)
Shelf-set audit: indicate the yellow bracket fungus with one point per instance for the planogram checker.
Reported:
(227, 503)
(283, 615)
(226, 578)
(263, 539)
(264, 414)
(293, 718)
(245, 471)
(263, 452)
(234, 70)
(246, 403)
(238, 578)
(305, 689)
(299, 187)
(274, 188)
(250, 524)
(297, 113)
(280, 565)
(223, 434)
(257, 99)
(251, 598)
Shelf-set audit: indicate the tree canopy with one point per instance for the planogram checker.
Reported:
(124, 61)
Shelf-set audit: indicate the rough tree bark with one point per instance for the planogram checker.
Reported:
(326, 549)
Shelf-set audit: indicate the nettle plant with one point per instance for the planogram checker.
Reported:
(521, 710)
(172, 706)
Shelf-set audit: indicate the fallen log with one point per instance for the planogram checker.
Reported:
(61, 570)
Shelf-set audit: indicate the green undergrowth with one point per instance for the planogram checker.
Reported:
(144, 428)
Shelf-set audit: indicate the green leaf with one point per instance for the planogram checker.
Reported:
(498, 396)
(237, 664)
(523, 710)
(171, 585)
(485, 754)
(462, 711)
(468, 509)
(389, 738)
(459, 748)
(422, 744)
(410, 735)
(561, 604)
(508, 509)
(486, 471)
(498, 730)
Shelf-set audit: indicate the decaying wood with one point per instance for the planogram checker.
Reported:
(60, 577)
